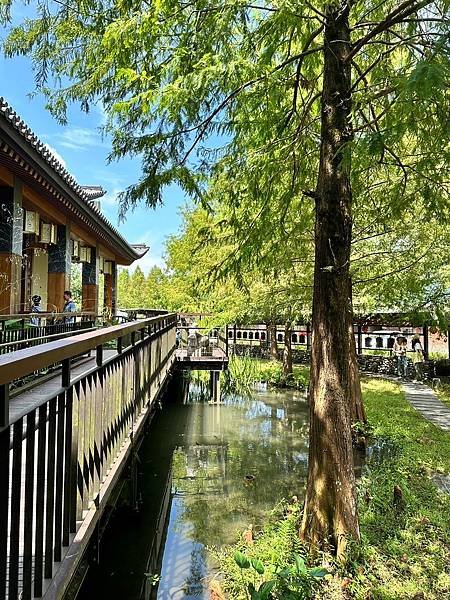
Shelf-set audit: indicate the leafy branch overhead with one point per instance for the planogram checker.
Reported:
(233, 90)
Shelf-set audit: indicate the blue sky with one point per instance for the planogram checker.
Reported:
(84, 153)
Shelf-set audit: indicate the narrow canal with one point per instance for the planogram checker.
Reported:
(207, 473)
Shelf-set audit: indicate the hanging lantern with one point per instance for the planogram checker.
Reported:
(85, 254)
(75, 249)
(48, 233)
(31, 222)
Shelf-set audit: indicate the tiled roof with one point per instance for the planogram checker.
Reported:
(93, 191)
(85, 193)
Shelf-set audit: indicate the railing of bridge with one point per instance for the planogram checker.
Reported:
(29, 330)
(203, 341)
(59, 454)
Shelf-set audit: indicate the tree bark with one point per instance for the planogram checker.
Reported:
(287, 351)
(273, 345)
(330, 514)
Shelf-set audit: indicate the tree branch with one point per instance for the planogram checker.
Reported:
(396, 16)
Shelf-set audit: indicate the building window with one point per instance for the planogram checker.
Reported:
(379, 342)
(263, 336)
(230, 334)
(250, 335)
(390, 342)
(280, 337)
(294, 338)
(244, 335)
(256, 335)
(302, 339)
(368, 342)
(239, 335)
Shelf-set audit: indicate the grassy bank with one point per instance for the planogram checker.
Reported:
(405, 535)
(246, 371)
(443, 392)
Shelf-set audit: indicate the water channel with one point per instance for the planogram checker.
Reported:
(206, 473)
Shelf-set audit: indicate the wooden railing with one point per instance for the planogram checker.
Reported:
(60, 455)
(202, 341)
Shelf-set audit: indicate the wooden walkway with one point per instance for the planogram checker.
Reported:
(65, 442)
(21, 405)
(215, 359)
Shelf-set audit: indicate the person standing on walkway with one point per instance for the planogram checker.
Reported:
(400, 349)
(69, 306)
(36, 308)
(418, 357)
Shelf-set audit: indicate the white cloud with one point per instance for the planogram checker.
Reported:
(56, 155)
(79, 138)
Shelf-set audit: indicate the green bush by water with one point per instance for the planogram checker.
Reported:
(245, 372)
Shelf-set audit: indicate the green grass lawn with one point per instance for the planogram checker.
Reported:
(404, 553)
(443, 393)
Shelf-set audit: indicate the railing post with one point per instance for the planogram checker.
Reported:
(4, 405)
(99, 355)
(133, 338)
(119, 345)
(65, 374)
(425, 341)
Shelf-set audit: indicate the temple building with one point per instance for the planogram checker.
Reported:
(48, 222)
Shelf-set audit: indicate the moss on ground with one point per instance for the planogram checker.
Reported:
(404, 553)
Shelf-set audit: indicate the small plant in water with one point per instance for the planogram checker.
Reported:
(291, 582)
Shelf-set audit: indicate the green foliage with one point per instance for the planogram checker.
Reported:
(273, 567)
(227, 102)
(244, 372)
(136, 290)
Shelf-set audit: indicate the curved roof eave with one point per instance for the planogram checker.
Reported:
(24, 138)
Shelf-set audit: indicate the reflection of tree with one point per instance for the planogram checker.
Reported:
(263, 437)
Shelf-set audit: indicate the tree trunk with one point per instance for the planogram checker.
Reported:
(273, 348)
(287, 351)
(330, 514)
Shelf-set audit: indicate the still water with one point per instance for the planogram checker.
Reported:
(207, 473)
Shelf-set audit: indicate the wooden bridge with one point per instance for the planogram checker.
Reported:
(65, 443)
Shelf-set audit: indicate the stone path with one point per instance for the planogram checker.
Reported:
(425, 401)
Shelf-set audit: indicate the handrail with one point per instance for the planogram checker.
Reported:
(45, 315)
(47, 337)
(23, 362)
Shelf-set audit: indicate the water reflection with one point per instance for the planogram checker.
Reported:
(208, 472)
